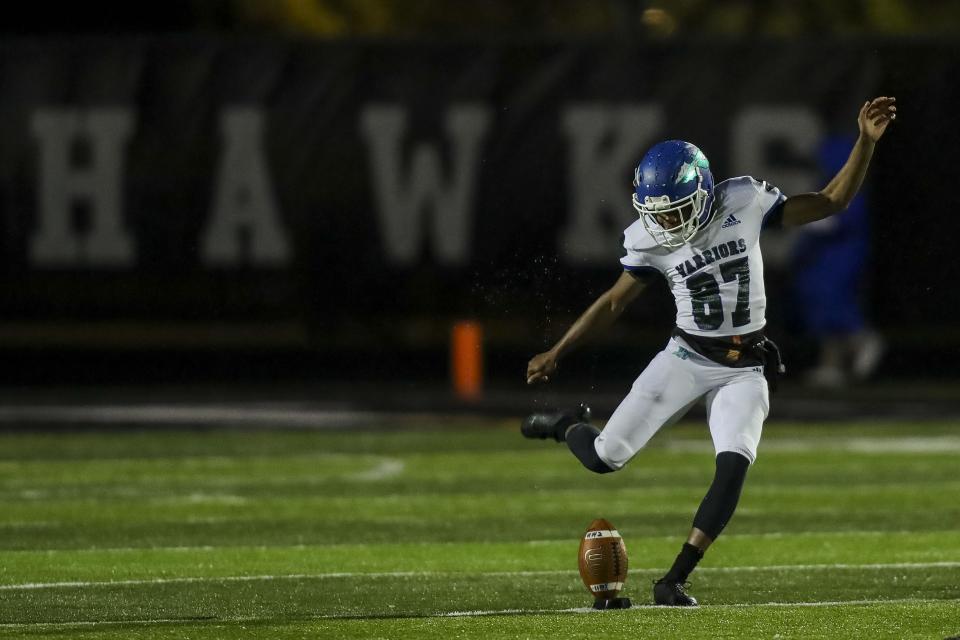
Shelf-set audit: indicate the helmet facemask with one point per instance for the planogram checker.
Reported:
(687, 211)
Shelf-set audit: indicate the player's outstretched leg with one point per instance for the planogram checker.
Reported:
(554, 425)
(572, 427)
(713, 515)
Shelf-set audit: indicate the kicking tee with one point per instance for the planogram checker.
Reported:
(717, 277)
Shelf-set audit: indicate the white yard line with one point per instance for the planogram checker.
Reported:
(307, 547)
(385, 469)
(861, 444)
(460, 614)
(737, 605)
(417, 574)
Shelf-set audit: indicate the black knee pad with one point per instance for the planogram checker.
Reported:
(580, 439)
(721, 500)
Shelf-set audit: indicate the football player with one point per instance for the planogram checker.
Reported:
(703, 238)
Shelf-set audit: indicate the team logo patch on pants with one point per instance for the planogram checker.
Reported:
(681, 353)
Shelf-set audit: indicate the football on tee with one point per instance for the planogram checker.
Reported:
(603, 560)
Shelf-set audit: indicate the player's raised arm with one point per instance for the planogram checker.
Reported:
(803, 208)
(600, 315)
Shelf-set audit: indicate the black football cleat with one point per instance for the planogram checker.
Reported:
(554, 424)
(672, 594)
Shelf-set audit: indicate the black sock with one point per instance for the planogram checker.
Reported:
(580, 439)
(685, 563)
(562, 426)
(714, 512)
(721, 500)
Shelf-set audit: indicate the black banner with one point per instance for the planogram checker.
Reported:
(373, 192)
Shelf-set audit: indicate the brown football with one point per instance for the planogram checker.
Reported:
(603, 560)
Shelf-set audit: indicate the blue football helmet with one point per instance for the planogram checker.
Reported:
(673, 192)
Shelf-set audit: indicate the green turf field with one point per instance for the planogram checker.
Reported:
(469, 531)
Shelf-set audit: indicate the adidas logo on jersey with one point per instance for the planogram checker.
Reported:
(730, 221)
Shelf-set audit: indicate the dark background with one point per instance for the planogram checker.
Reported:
(340, 309)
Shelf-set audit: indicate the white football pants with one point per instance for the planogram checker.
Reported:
(737, 404)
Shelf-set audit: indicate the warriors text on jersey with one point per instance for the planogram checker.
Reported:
(717, 277)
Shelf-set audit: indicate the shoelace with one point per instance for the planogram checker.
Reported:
(681, 587)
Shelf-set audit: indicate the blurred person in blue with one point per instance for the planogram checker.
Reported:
(829, 263)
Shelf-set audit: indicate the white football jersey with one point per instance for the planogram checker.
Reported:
(716, 278)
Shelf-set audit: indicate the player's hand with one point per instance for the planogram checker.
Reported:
(875, 115)
(541, 367)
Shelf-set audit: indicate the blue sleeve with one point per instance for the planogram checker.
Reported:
(644, 274)
(773, 218)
